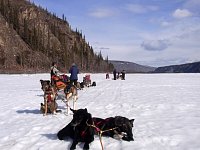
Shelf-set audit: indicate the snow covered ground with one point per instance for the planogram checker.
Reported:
(166, 108)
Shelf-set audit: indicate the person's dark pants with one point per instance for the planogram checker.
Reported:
(52, 81)
(73, 82)
(114, 76)
(123, 76)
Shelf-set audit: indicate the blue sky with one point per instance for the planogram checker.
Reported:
(147, 32)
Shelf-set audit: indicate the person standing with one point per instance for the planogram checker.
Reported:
(123, 75)
(114, 74)
(54, 71)
(74, 71)
(107, 76)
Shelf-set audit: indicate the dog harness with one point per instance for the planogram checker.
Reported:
(100, 132)
(100, 123)
(49, 98)
(49, 95)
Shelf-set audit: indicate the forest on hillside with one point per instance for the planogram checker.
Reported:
(31, 38)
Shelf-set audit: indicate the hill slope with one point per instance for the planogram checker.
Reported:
(131, 67)
(184, 68)
(31, 38)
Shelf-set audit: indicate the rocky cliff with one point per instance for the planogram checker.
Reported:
(31, 38)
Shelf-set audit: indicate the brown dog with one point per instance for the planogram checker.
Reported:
(45, 84)
(50, 104)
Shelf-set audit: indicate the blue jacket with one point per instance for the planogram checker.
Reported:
(74, 72)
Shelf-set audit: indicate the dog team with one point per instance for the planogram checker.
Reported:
(83, 126)
(57, 83)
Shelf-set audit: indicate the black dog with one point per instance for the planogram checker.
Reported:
(78, 129)
(119, 127)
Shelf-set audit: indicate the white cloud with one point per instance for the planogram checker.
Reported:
(165, 23)
(101, 13)
(182, 13)
(155, 45)
(140, 9)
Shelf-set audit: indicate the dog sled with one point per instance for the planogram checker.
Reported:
(60, 82)
(87, 80)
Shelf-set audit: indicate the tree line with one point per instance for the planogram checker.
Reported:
(44, 32)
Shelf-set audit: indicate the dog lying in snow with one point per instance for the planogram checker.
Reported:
(78, 129)
(119, 127)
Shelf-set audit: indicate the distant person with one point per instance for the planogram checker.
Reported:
(74, 71)
(107, 76)
(123, 75)
(114, 74)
